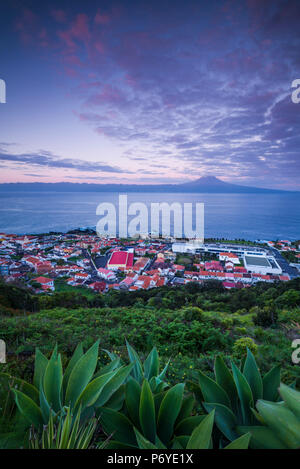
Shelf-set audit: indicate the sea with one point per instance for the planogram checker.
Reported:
(232, 216)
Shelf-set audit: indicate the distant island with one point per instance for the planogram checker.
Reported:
(206, 184)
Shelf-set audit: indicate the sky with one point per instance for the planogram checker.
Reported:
(150, 91)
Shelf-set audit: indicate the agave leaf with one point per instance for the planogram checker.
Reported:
(142, 442)
(225, 379)
(225, 419)
(158, 400)
(162, 375)
(132, 400)
(240, 443)
(282, 421)
(114, 444)
(201, 436)
(116, 401)
(187, 425)
(151, 364)
(92, 391)
(137, 371)
(111, 355)
(181, 440)
(168, 412)
(262, 437)
(21, 385)
(44, 405)
(28, 408)
(81, 374)
(113, 385)
(40, 365)
(176, 444)
(292, 399)
(147, 412)
(52, 382)
(253, 376)
(109, 367)
(117, 425)
(78, 353)
(245, 394)
(211, 391)
(271, 383)
(186, 408)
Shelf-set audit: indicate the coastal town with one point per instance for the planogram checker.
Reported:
(61, 262)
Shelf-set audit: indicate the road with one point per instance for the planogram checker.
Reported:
(286, 267)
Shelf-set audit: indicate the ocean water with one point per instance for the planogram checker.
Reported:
(247, 216)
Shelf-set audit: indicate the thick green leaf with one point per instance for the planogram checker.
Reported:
(78, 353)
(187, 425)
(107, 368)
(44, 405)
(281, 421)
(81, 374)
(271, 383)
(162, 375)
(253, 376)
(143, 443)
(113, 385)
(28, 408)
(262, 437)
(186, 408)
(225, 419)
(21, 385)
(151, 364)
(168, 412)
(225, 379)
(118, 426)
(292, 399)
(245, 394)
(132, 400)
(147, 412)
(240, 443)
(92, 391)
(116, 401)
(52, 382)
(40, 365)
(137, 371)
(211, 391)
(201, 436)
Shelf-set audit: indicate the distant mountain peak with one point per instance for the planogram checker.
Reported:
(206, 180)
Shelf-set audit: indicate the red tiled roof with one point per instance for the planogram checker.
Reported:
(43, 280)
(124, 258)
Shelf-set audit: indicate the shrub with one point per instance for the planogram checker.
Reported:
(241, 345)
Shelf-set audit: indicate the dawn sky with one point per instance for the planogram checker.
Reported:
(150, 91)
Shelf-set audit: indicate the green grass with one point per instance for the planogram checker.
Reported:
(62, 286)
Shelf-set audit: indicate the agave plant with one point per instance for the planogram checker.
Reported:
(161, 421)
(149, 369)
(280, 422)
(201, 438)
(78, 387)
(233, 394)
(63, 432)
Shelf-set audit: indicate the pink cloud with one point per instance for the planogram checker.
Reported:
(79, 30)
(59, 15)
(101, 18)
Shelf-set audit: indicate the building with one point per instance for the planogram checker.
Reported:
(261, 264)
(121, 259)
(47, 283)
(229, 256)
(106, 274)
